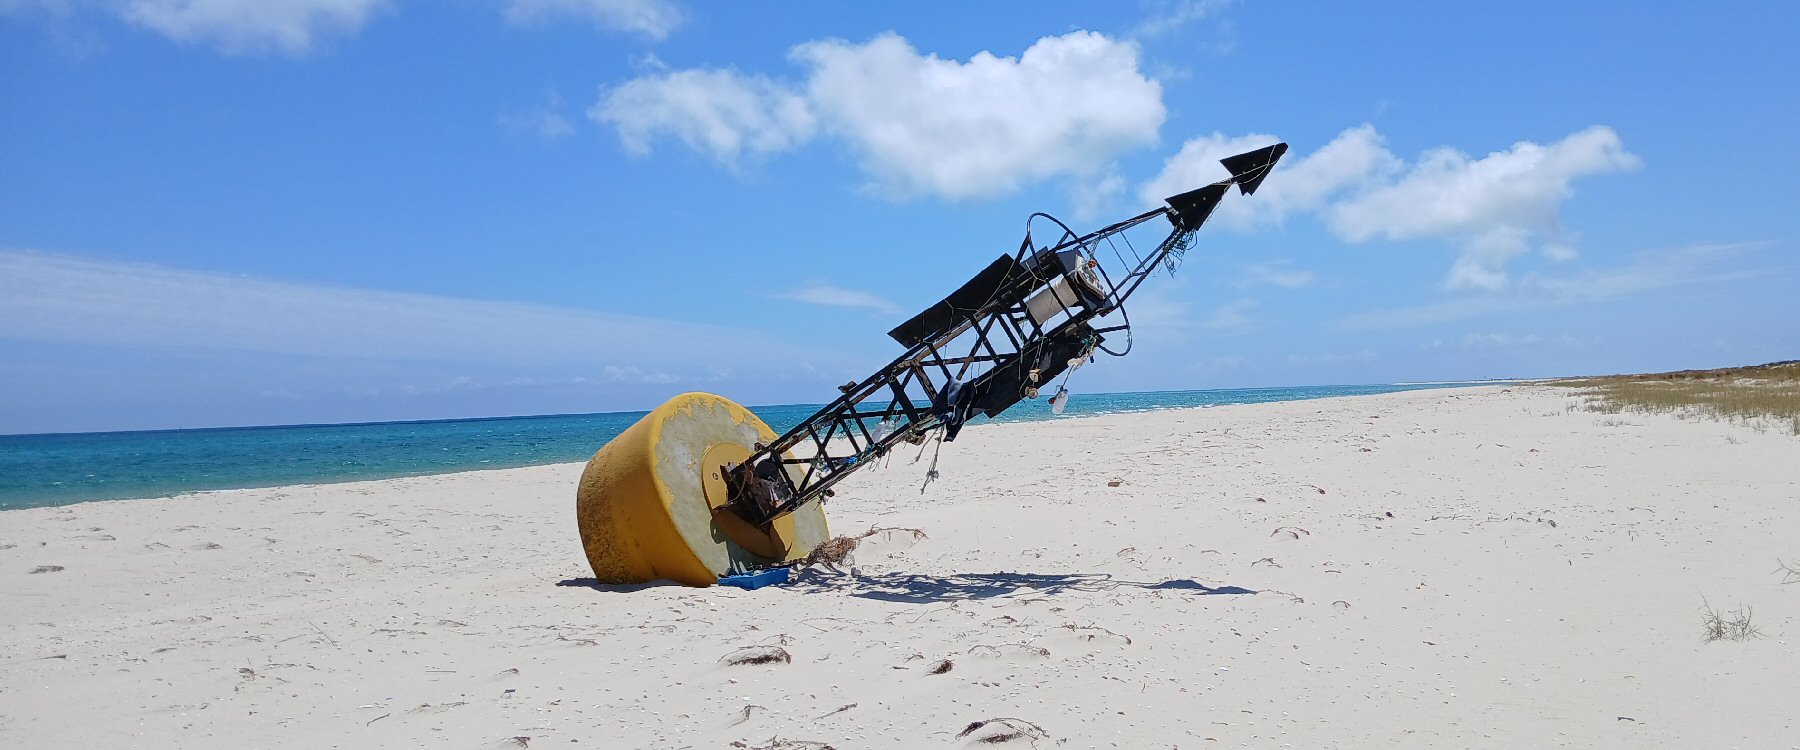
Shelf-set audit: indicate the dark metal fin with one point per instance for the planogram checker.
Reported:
(1249, 168)
(1192, 207)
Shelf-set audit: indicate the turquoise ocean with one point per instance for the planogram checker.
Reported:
(59, 469)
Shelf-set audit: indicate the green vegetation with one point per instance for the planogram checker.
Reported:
(1761, 396)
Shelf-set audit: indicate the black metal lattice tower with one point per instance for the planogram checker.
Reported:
(1011, 329)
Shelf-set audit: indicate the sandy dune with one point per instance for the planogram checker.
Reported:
(1463, 568)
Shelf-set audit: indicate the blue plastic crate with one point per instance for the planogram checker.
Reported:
(756, 580)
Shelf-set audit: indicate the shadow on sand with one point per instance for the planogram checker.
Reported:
(614, 588)
(915, 588)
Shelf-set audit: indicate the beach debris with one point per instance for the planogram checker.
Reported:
(378, 718)
(833, 551)
(1114, 482)
(942, 666)
(1790, 571)
(1269, 560)
(1090, 632)
(748, 709)
(1293, 531)
(520, 740)
(757, 655)
(323, 634)
(996, 731)
(1022, 649)
(47, 569)
(777, 743)
(836, 550)
(838, 710)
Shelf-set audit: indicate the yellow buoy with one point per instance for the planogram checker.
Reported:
(646, 500)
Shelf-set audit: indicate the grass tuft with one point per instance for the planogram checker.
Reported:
(1762, 396)
(1720, 625)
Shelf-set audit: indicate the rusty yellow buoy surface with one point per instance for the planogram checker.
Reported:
(646, 500)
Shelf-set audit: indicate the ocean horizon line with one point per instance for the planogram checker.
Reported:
(752, 407)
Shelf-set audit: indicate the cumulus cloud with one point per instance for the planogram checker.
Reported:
(987, 126)
(834, 296)
(654, 19)
(290, 26)
(722, 113)
(1497, 205)
(1494, 208)
(919, 124)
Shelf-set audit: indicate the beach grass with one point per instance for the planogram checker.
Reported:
(1760, 396)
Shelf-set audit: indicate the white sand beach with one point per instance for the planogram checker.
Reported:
(1477, 567)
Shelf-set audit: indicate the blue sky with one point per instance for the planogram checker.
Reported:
(222, 212)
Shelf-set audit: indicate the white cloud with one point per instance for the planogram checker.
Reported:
(1690, 265)
(1169, 16)
(635, 374)
(652, 18)
(987, 126)
(920, 124)
(59, 298)
(723, 113)
(1275, 273)
(825, 294)
(290, 26)
(296, 26)
(1092, 197)
(1355, 158)
(547, 121)
(1496, 206)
